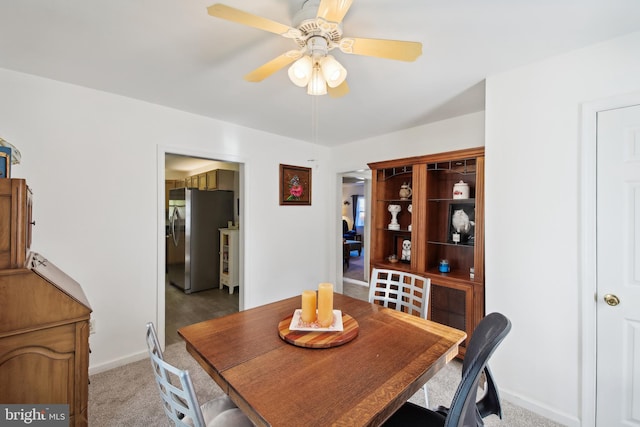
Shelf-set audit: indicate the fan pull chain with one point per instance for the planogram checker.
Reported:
(314, 126)
(314, 119)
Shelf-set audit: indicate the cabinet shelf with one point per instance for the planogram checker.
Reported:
(462, 275)
(455, 245)
(461, 201)
(395, 200)
(229, 272)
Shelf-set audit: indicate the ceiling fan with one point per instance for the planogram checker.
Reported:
(317, 29)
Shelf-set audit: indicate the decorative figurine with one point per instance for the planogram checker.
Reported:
(406, 250)
(410, 209)
(405, 191)
(394, 209)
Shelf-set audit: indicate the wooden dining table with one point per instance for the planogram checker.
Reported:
(358, 383)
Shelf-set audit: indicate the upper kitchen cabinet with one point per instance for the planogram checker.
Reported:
(168, 185)
(428, 218)
(220, 179)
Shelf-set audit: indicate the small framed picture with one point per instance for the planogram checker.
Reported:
(462, 223)
(295, 185)
(5, 162)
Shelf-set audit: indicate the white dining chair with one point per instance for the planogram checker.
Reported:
(401, 291)
(152, 341)
(179, 399)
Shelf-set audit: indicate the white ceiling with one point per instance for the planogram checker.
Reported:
(171, 52)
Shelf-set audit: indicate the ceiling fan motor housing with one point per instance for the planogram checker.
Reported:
(317, 47)
(312, 27)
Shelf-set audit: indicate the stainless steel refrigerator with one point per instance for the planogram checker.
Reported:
(193, 261)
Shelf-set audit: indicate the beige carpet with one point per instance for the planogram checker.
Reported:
(127, 396)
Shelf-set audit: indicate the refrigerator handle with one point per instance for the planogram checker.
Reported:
(174, 219)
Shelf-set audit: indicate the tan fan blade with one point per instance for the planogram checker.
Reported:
(390, 49)
(236, 15)
(272, 66)
(334, 10)
(338, 91)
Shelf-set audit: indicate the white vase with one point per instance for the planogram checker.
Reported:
(394, 210)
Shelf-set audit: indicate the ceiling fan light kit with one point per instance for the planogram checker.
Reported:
(300, 71)
(317, 84)
(318, 31)
(334, 73)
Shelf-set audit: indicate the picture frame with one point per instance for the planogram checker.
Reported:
(462, 217)
(5, 162)
(295, 185)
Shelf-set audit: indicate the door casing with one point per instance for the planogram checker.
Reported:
(587, 245)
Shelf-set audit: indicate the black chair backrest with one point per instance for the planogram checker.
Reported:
(489, 333)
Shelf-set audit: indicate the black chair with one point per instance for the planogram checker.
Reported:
(489, 403)
(463, 411)
(346, 233)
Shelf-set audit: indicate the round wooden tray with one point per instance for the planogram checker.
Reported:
(319, 339)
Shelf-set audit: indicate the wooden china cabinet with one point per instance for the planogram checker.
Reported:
(439, 227)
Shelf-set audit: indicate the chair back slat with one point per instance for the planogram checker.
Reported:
(175, 386)
(152, 341)
(400, 291)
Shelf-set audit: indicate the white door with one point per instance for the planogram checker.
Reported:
(618, 267)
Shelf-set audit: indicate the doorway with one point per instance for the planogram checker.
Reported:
(355, 218)
(206, 299)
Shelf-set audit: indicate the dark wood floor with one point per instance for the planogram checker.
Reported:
(184, 309)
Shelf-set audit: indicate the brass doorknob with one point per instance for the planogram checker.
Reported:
(611, 299)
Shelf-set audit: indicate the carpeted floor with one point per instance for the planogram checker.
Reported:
(127, 396)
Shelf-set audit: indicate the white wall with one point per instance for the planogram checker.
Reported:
(92, 160)
(532, 217)
(453, 134)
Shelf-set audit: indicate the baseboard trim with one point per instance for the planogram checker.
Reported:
(540, 409)
(118, 362)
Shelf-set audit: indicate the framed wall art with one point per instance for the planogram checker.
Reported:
(5, 162)
(462, 223)
(295, 185)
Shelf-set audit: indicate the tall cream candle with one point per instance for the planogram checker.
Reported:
(325, 304)
(308, 314)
